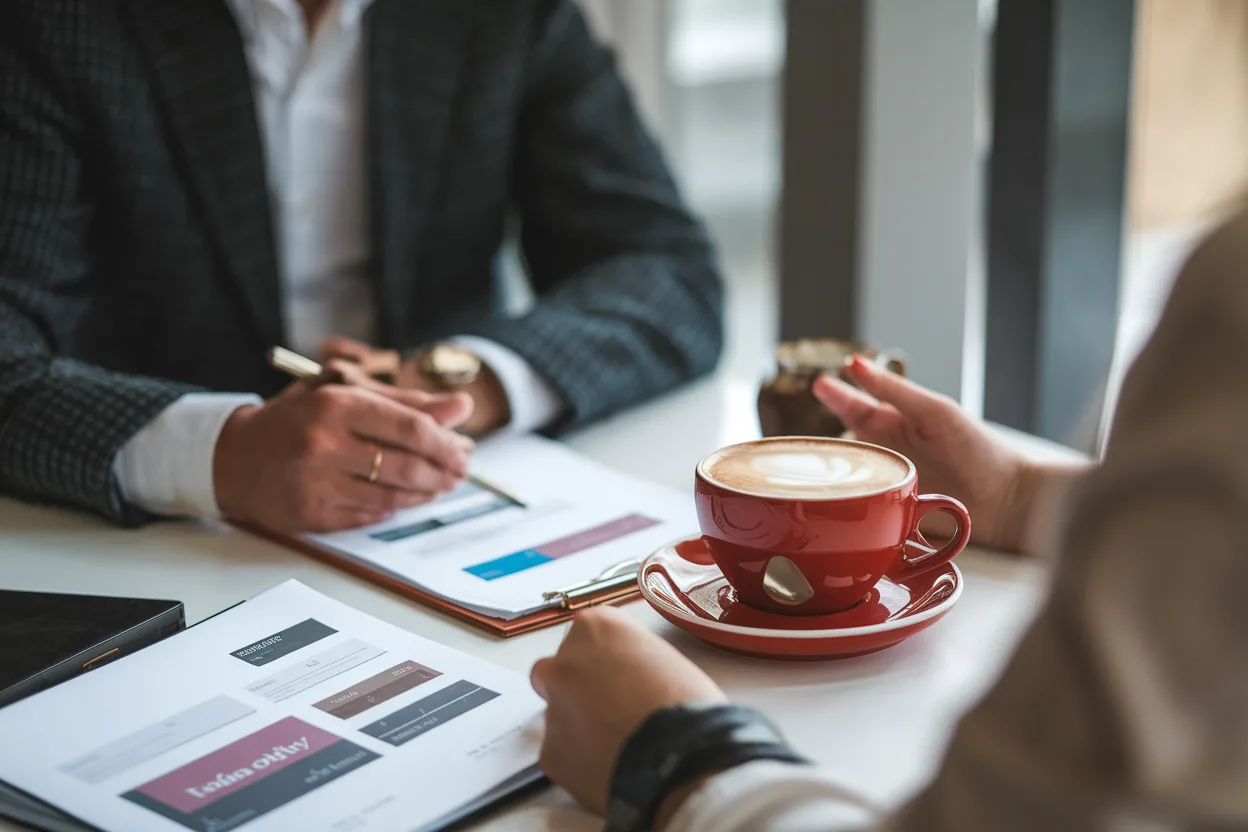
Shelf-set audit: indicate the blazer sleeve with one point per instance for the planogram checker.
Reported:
(629, 297)
(61, 421)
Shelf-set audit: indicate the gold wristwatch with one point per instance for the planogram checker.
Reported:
(450, 366)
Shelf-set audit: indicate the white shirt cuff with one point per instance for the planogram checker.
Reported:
(771, 796)
(166, 468)
(534, 403)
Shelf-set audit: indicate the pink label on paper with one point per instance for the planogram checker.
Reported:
(238, 765)
(596, 536)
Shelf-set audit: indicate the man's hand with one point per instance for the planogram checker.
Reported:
(955, 454)
(491, 410)
(301, 461)
(609, 675)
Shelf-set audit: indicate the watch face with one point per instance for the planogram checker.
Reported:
(454, 365)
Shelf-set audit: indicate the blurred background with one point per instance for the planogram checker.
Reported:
(708, 75)
(1002, 188)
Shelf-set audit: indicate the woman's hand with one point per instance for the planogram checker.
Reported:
(955, 454)
(609, 675)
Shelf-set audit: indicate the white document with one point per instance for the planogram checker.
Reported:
(290, 711)
(539, 519)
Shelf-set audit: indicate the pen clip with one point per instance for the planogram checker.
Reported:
(615, 577)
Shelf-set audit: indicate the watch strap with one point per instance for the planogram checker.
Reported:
(675, 746)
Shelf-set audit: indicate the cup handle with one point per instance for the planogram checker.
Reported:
(928, 503)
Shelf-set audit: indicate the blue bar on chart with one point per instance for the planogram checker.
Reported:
(492, 570)
(508, 565)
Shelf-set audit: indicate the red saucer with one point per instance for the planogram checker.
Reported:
(684, 586)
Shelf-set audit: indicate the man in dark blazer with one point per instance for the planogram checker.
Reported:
(186, 183)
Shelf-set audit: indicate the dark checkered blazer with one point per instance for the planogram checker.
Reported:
(137, 259)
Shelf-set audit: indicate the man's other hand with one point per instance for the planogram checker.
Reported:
(302, 461)
(490, 411)
(373, 361)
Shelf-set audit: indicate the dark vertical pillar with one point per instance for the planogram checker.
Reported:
(824, 102)
(1056, 205)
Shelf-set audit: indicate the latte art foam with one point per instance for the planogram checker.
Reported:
(805, 469)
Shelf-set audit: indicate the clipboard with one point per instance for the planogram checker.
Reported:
(617, 586)
(609, 589)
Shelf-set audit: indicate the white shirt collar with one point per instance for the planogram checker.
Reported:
(351, 12)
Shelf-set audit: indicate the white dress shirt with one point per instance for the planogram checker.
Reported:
(769, 796)
(311, 98)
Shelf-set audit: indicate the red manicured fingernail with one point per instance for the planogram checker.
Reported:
(858, 362)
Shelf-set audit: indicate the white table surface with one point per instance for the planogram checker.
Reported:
(895, 708)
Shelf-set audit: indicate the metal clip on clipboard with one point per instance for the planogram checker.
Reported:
(616, 577)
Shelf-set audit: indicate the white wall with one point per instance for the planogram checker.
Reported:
(921, 288)
(1151, 261)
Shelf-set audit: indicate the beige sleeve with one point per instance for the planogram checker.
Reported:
(1128, 699)
(1126, 705)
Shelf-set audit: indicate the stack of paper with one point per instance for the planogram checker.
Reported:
(290, 711)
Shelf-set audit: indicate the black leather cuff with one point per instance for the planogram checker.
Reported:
(676, 746)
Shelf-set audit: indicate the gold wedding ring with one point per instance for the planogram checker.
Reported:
(376, 472)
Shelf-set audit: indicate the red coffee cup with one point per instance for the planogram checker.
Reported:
(818, 546)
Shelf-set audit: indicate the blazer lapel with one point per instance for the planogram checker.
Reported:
(202, 81)
(417, 50)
